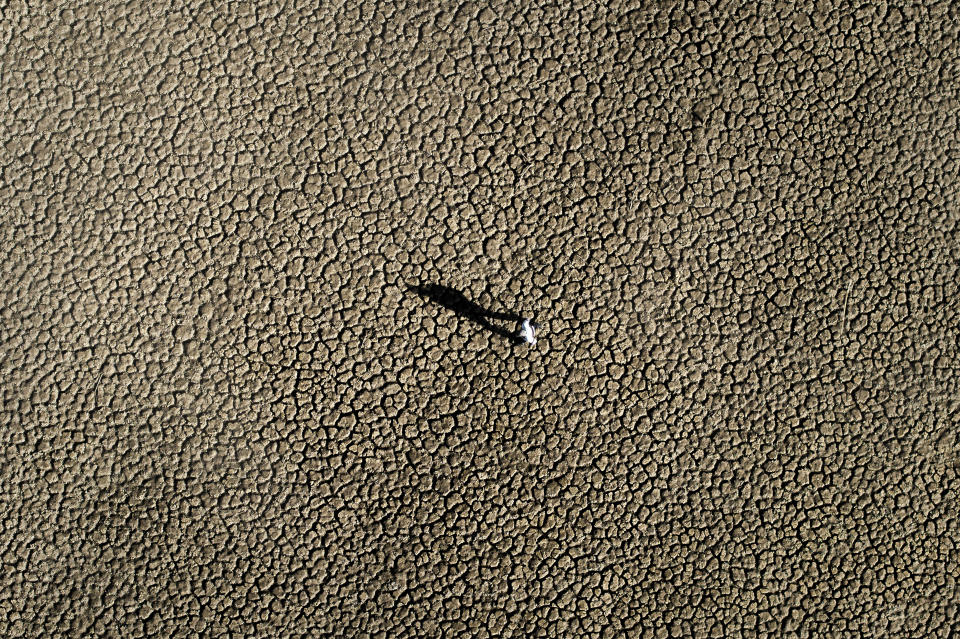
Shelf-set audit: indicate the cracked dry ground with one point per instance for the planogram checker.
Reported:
(225, 414)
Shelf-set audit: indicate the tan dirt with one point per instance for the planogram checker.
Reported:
(225, 411)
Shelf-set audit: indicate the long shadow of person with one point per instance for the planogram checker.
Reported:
(456, 301)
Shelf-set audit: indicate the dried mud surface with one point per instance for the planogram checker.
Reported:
(226, 413)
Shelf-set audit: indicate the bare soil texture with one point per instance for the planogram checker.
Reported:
(262, 267)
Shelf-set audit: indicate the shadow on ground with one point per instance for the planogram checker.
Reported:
(457, 302)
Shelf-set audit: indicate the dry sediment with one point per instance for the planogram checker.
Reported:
(224, 413)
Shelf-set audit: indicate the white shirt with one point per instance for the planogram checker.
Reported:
(528, 332)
